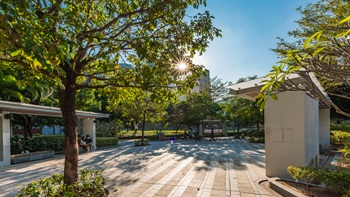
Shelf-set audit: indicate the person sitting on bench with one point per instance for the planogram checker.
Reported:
(83, 144)
(88, 141)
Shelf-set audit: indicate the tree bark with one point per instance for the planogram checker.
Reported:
(143, 125)
(67, 106)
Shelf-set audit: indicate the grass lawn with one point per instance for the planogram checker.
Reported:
(149, 133)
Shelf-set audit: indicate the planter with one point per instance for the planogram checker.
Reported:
(26, 157)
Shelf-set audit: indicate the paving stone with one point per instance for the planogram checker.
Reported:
(227, 167)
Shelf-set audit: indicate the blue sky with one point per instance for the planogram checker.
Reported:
(249, 31)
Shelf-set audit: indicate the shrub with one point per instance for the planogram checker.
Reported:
(50, 142)
(257, 140)
(307, 174)
(106, 141)
(340, 136)
(340, 127)
(90, 183)
(337, 180)
(141, 142)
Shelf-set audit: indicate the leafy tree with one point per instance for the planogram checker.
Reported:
(137, 105)
(218, 88)
(321, 46)
(80, 44)
(88, 100)
(243, 112)
(197, 107)
(176, 114)
(15, 86)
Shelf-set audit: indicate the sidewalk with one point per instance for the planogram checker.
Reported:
(227, 167)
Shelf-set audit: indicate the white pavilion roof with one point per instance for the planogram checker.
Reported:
(23, 108)
(250, 89)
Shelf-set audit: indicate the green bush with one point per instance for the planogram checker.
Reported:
(257, 140)
(340, 136)
(90, 183)
(106, 141)
(340, 127)
(50, 142)
(337, 180)
(141, 142)
(36, 143)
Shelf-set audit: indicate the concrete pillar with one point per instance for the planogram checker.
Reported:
(291, 132)
(325, 129)
(5, 144)
(89, 128)
(200, 129)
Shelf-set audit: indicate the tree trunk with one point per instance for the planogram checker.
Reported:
(67, 105)
(143, 126)
(257, 129)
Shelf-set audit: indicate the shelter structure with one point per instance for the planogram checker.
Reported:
(206, 125)
(8, 108)
(297, 124)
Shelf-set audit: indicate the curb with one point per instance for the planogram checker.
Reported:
(283, 190)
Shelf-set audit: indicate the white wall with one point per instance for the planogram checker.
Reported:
(5, 145)
(290, 132)
(312, 138)
(89, 128)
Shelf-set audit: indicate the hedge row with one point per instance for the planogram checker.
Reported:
(49, 142)
(106, 141)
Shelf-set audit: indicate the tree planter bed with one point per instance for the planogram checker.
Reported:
(26, 157)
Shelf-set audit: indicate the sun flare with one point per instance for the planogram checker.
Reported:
(182, 66)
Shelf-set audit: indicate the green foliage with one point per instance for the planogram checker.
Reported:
(37, 143)
(83, 44)
(218, 89)
(340, 137)
(197, 107)
(307, 174)
(340, 127)
(337, 180)
(257, 140)
(321, 47)
(50, 142)
(242, 112)
(91, 183)
(106, 141)
(141, 142)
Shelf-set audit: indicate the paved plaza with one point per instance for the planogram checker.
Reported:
(227, 167)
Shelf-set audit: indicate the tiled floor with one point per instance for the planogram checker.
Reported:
(227, 167)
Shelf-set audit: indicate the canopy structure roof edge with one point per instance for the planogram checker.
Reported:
(250, 89)
(23, 108)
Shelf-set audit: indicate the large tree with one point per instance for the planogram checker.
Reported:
(80, 44)
(321, 46)
(197, 107)
(218, 88)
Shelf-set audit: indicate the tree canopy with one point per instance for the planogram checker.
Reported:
(321, 46)
(82, 44)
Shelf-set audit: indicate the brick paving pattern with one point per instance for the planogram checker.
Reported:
(227, 167)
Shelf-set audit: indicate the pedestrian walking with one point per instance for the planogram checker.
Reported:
(212, 134)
